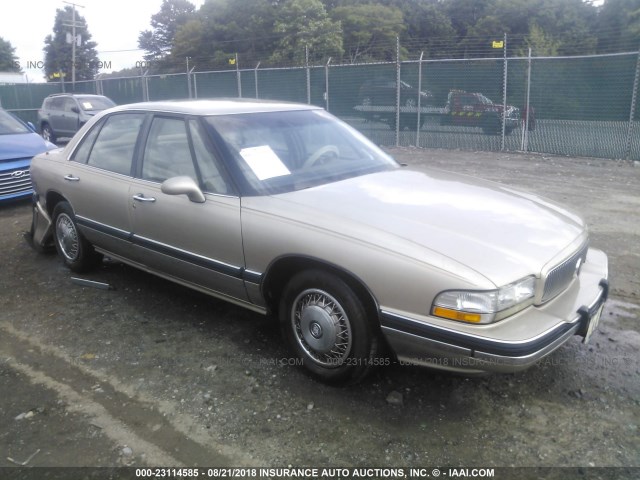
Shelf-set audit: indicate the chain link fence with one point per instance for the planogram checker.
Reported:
(576, 106)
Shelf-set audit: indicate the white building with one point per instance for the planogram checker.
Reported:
(12, 77)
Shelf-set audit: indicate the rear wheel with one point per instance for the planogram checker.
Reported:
(325, 324)
(47, 133)
(74, 250)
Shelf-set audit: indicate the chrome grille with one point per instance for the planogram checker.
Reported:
(15, 181)
(562, 274)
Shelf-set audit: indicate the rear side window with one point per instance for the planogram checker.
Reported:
(113, 149)
(56, 103)
(81, 155)
(69, 103)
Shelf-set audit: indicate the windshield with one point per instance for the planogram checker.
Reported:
(279, 152)
(95, 103)
(10, 125)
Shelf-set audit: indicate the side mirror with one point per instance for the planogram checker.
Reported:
(32, 127)
(75, 109)
(183, 185)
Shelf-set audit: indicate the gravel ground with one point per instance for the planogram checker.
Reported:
(150, 373)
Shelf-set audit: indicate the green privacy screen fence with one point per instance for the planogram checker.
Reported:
(578, 106)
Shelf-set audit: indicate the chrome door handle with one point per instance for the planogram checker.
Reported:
(141, 198)
(72, 178)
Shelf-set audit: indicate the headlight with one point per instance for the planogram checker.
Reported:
(485, 306)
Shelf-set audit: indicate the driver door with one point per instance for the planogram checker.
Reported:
(199, 244)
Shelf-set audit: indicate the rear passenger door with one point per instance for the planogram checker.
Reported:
(196, 243)
(97, 181)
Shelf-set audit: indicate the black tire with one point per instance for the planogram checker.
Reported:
(325, 324)
(47, 133)
(74, 250)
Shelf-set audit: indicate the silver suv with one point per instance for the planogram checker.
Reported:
(63, 114)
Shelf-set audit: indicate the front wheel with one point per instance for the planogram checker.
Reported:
(74, 250)
(325, 324)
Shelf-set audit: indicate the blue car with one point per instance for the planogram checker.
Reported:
(19, 143)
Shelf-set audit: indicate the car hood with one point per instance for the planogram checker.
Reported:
(22, 145)
(502, 234)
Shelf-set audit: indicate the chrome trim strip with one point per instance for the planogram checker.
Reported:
(102, 228)
(200, 288)
(500, 348)
(470, 336)
(251, 276)
(190, 257)
(496, 347)
(177, 253)
(525, 360)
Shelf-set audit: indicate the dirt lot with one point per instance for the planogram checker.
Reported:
(150, 373)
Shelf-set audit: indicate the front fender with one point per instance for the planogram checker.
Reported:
(41, 226)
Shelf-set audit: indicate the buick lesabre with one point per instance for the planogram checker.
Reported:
(285, 210)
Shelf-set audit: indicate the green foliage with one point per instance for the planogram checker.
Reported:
(58, 53)
(619, 26)
(159, 41)
(223, 28)
(8, 60)
(369, 31)
(301, 24)
(276, 32)
(539, 42)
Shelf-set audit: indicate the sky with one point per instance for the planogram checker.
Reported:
(113, 24)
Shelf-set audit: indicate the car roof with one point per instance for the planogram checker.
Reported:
(73, 95)
(215, 107)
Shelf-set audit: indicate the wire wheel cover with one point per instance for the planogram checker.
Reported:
(321, 327)
(67, 237)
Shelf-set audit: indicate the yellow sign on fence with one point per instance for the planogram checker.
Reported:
(497, 44)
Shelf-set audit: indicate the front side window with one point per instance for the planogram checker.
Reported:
(210, 170)
(167, 152)
(113, 149)
(56, 103)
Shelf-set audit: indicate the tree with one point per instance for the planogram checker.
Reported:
(619, 26)
(8, 60)
(58, 53)
(568, 24)
(222, 28)
(305, 23)
(428, 28)
(166, 23)
(464, 14)
(369, 31)
(540, 43)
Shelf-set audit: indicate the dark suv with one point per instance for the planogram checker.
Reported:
(62, 114)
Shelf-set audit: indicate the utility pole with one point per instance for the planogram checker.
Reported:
(74, 41)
